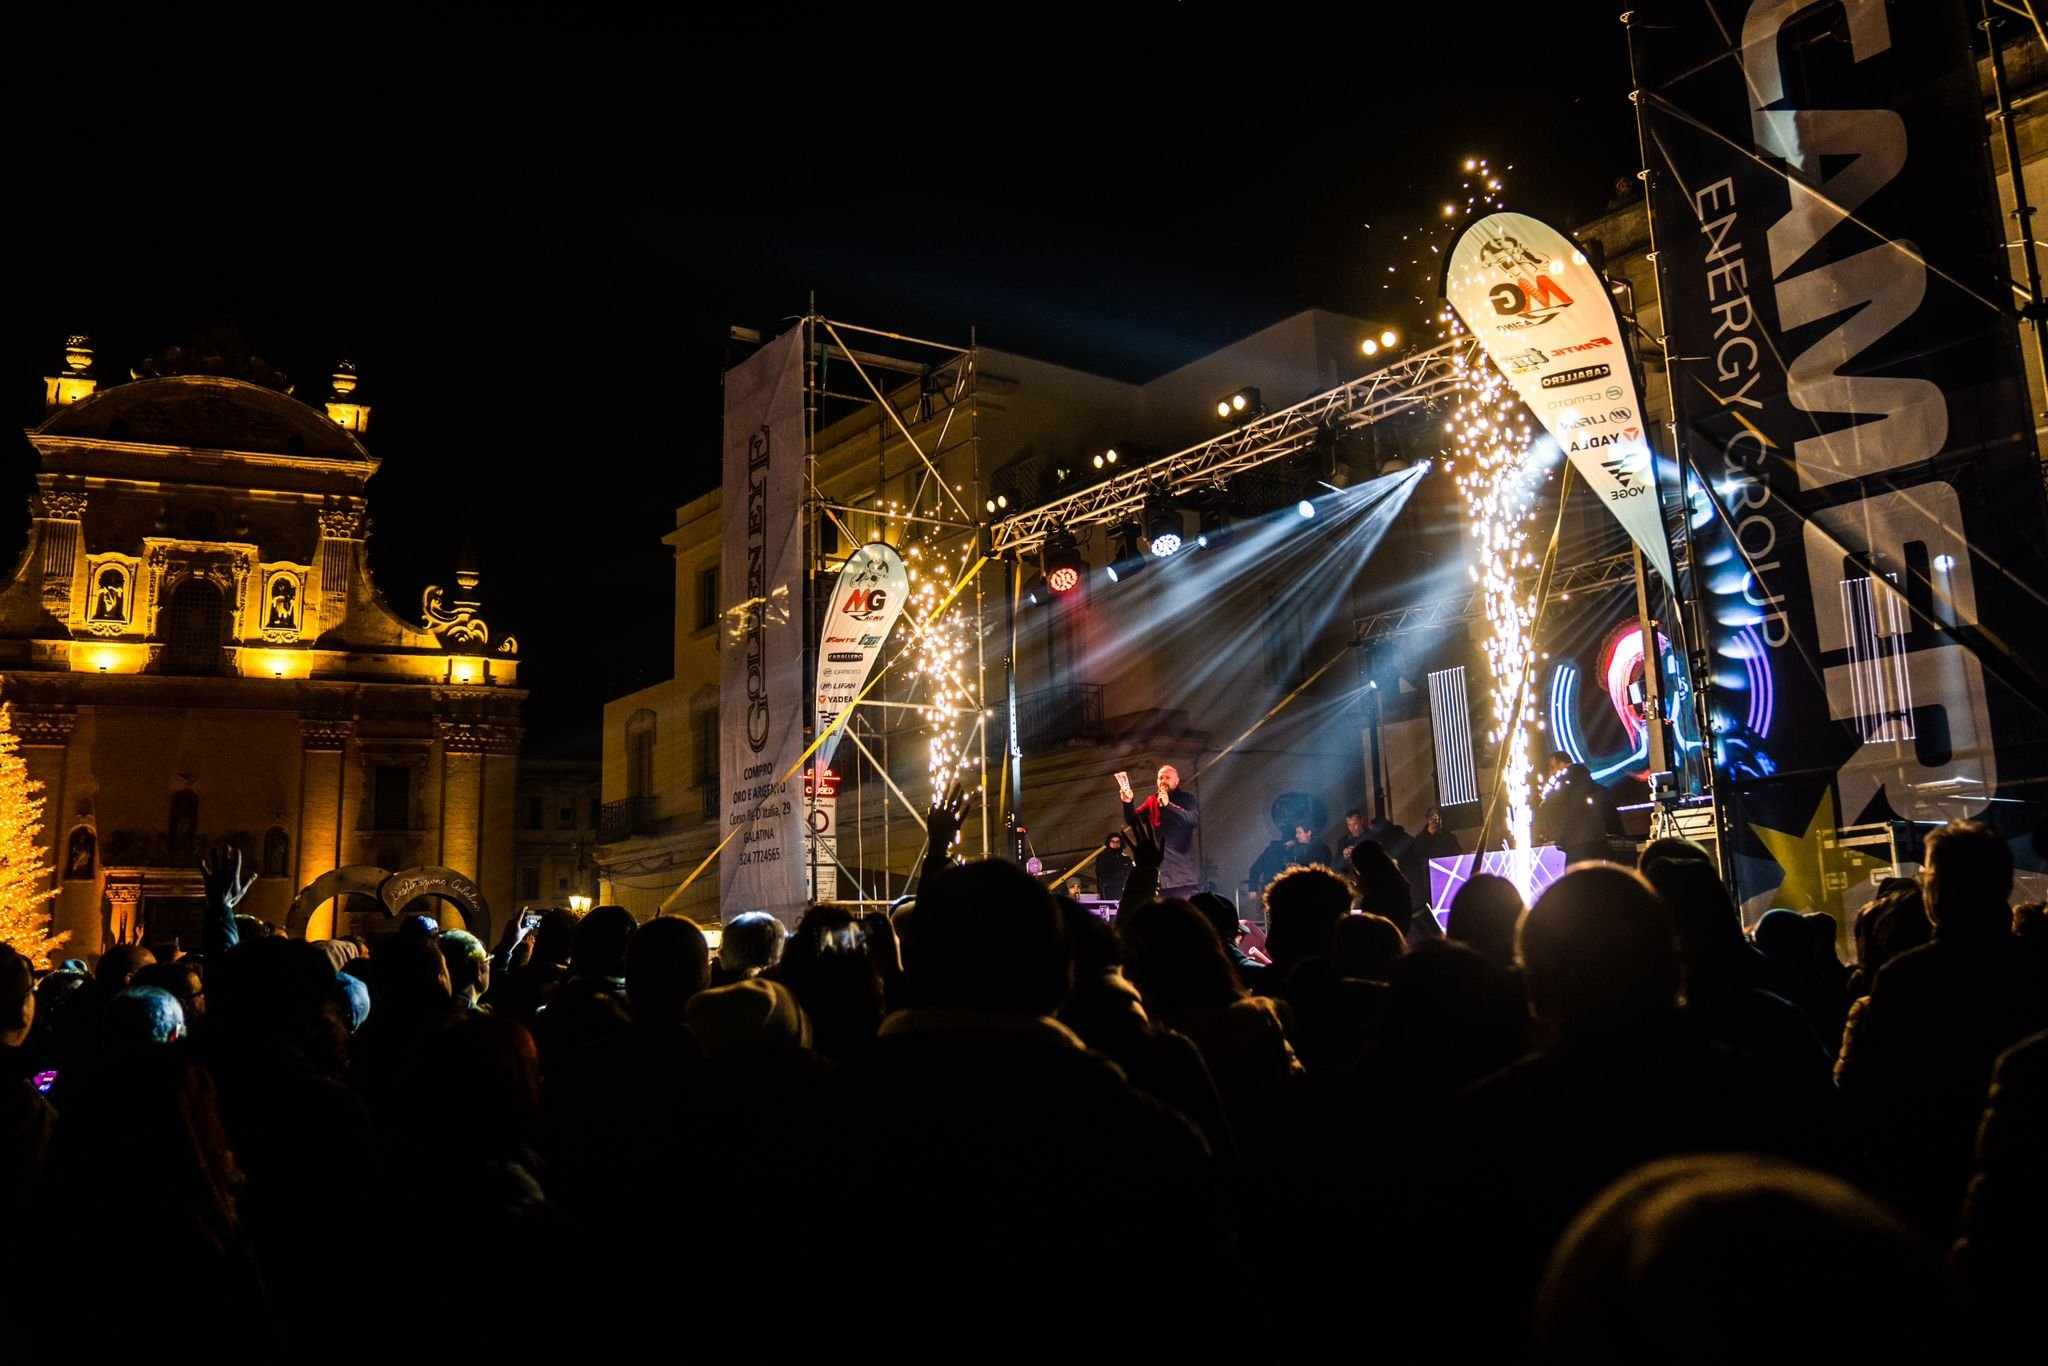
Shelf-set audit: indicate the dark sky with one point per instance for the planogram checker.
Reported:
(531, 226)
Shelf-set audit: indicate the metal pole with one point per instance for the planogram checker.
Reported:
(1653, 669)
(2034, 310)
(1699, 674)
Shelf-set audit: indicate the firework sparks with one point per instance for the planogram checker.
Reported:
(1499, 480)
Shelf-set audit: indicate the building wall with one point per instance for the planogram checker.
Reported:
(158, 737)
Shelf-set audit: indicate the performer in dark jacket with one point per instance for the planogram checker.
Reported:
(1431, 842)
(1174, 814)
(1112, 868)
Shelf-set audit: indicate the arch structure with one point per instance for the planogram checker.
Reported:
(314, 908)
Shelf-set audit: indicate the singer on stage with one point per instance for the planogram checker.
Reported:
(1174, 814)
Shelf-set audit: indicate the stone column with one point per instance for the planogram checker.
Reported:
(463, 744)
(323, 779)
(341, 549)
(497, 858)
(57, 529)
(124, 915)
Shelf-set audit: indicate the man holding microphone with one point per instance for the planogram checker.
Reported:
(1172, 815)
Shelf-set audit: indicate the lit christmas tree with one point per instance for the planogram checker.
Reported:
(25, 888)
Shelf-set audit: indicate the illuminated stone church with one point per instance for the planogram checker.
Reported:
(195, 653)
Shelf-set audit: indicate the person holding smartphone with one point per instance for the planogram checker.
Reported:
(1174, 814)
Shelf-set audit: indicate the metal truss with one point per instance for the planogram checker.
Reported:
(1407, 383)
(1588, 576)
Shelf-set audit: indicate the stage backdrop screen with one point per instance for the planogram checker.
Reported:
(1846, 375)
(761, 661)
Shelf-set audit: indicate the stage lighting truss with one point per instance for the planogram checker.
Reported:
(1408, 383)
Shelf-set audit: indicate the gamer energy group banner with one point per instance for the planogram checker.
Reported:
(1543, 315)
(761, 659)
(1847, 377)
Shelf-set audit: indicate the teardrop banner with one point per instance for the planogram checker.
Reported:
(1545, 318)
(870, 595)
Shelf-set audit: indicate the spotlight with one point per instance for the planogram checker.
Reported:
(1002, 500)
(1061, 557)
(1126, 559)
(1305, 508)
(1162, 527)
(1037, 590)
(1389, 337)
(990, 505)
(1098, 462)
(1369, 346)
(1242, 406)
(1109, 456)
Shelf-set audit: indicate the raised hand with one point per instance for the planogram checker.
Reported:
(221, 871)
(942, 822)
(1146, 849)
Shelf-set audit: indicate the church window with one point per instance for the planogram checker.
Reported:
(193, 626)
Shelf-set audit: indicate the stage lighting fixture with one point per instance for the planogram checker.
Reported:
(997, 504)
(1105, 459)
(1389, 337)
(1370, 346)
(1162, 527)
(1126, 558)
(1242, 406)
(1037, 590)
(1063, 564)
(1305, 508)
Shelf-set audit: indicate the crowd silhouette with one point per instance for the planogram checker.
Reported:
(1608, 1127)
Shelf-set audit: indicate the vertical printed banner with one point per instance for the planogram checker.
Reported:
(870, 595)
(760, 681)
(1847, 379)
(1544, 316)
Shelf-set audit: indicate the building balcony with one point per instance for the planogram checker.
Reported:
(1064, 712)
(629, 818)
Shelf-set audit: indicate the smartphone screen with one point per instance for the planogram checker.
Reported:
(45, 1080)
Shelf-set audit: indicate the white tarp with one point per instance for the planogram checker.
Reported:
(760, 677)
(1532, 300)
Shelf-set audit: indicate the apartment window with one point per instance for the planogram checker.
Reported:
(594, 804)
(565, 819)
(707, 597)
(707, 748)
(640, 754)
(533, 813)
(391, 797)
(529, 884)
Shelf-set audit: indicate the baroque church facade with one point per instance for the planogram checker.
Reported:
(195, 654)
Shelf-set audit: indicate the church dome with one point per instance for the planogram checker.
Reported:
(207, 412)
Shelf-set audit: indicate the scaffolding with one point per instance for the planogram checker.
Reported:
(891, 454)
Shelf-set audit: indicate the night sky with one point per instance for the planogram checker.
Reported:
(532, 226)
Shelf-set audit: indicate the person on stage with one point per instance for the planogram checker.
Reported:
(1354, 831)
(1431, 842)
(1112, 868)
(1174, 814)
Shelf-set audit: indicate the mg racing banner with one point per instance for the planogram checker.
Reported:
(870, 595)
(1545, 318)
(760, 676)
(1846, 372)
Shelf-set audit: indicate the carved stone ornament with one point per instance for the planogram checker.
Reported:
(343, 524)
(65, 504)
(326, 734)
(460, 628)
(44, 728)
(478, 737)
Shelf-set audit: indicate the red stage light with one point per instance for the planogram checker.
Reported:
(1064, 579)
